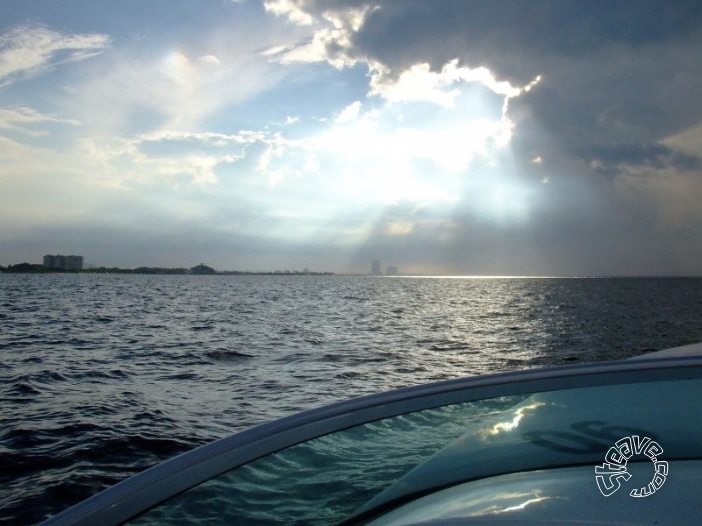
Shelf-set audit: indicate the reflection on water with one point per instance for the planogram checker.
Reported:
(103, 376)
(325, 480)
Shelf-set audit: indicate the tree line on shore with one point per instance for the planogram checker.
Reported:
(32, 268)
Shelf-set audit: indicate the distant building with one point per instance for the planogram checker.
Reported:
(391, 271)
(74, 262)
(59, 262)
(375, 268)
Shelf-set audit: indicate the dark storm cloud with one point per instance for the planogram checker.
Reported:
(622, 72)
(626, 96)
(574, 228)
(614, 159)
(503, 33)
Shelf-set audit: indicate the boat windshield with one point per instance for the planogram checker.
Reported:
(356, 473)
(323, 481)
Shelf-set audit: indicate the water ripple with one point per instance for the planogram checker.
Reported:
(102, 376)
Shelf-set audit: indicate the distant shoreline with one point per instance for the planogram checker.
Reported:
(202, 270)
(28, 268)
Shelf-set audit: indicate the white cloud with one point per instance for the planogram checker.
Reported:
(290, 10)
(171, 88)
(210, 59)
(449, 144)
(415, 84)
(399, 228)
(216, 139)
(419, 83)
(317, 50)
(178, 156)
(331, 40)
(280, 159)
(121, 164)
(369, 157)
(20, 119)
(351, 18)
(27, 50)
(276, 50)
(349, 113)
(688, 141)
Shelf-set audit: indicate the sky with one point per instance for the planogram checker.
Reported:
(451, 137)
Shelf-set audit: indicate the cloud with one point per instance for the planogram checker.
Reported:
(688, 141)
(420, 83)
(186, 140)
(29, 50)
(349, 113)
(332, 34)
(386, 156)
(210, 59)
(24, 118)
(172, 156)
(417, 132)
(509, 36)
(336, 28)
(137, 89)
(290, 9)
(613, 160)
(613, 73)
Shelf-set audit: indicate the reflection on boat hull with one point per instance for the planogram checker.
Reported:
(560, 496)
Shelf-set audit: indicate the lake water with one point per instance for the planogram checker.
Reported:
(105, 375)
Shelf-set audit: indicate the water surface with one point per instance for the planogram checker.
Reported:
(105, 375)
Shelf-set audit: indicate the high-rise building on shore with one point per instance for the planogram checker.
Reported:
(59, 262)
(375, 268)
